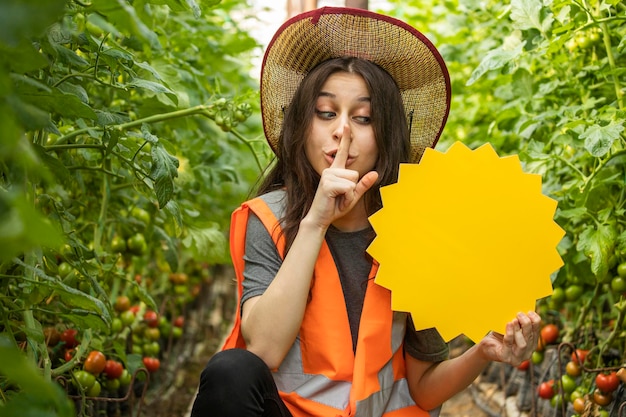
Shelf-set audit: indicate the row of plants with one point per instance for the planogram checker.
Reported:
(545, 80)
(124, 148)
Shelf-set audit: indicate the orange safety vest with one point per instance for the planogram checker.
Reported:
(321, 375)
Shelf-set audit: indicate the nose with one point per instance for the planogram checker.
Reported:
(339, 127)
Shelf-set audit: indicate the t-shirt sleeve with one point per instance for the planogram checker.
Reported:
(425, 345)
(261, 258)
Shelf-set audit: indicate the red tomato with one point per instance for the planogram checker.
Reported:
(579, 355)
(151, 318)
(69, 338)
(179, 321)
(607, 383)
(69, 354)
(113, 369)
(95, 362)
(546, 389)
(524, 365)
(601, 398)
(549, 333)
(151, 364)
(122, 303)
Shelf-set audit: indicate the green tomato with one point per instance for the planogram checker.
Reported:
(568, 383)
(618, 284)
(177, 332)
(558, 296)
(127, 318)
(116, 325)
(118, 244)
(65, 269)
(151, 349)
(83, 380)
(113, 384)
(537, 357)
(573, 292)
(141, 215)
(137, 244)
(621, 270)
(125, 378)
(95, 390)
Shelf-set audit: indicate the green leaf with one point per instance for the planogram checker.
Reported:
(164, 170)
(143, 295)
(207, 243)
(53, 164)
(173, 209)
(23, 228)
(42, 395)
(599, 139)
(495, 59)
(170, 250)
(527, 14)
(57, 102)
(598, 244)
(23, 19)
(150, 86)
(123, 15)
(24, 58)
(73, 299)
(30, 116)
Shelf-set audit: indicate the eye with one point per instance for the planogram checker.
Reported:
(325, 114)
(362, 119)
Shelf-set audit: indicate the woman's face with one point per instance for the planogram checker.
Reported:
(344, 101)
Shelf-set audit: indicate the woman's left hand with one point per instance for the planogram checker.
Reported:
(518, 342)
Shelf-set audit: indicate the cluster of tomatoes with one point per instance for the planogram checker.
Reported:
(583, 390)
(140, 330)
(98, 371)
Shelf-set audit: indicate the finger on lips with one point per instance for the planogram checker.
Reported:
(342, 151)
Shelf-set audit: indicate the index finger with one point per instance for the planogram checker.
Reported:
(344, 146)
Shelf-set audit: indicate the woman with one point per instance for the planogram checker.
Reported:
(315, 336)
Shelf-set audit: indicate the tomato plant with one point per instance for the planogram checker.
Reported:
(103, 112)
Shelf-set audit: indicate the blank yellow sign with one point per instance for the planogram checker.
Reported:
(465, 241)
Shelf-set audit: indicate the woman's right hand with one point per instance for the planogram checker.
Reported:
(339, 189)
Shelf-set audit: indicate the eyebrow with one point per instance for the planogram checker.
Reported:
(333, 96)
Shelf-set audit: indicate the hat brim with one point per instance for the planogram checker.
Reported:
(310, 38)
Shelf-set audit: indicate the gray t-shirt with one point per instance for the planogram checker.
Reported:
(262, 262)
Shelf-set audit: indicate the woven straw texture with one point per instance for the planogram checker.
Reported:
(309, 39)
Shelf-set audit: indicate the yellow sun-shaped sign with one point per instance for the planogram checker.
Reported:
(465, 241)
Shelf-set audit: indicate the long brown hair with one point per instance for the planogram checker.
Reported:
(291, 169)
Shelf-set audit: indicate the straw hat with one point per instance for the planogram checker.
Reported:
(407, 55)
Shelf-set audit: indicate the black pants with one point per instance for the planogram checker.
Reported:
(237, 383)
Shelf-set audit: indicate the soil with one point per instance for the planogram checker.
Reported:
(177, 381)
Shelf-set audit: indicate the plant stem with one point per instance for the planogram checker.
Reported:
(104, 206)
(248, 143)
(606, 36)
(201, 109)
(599, 168)
(74, 146)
